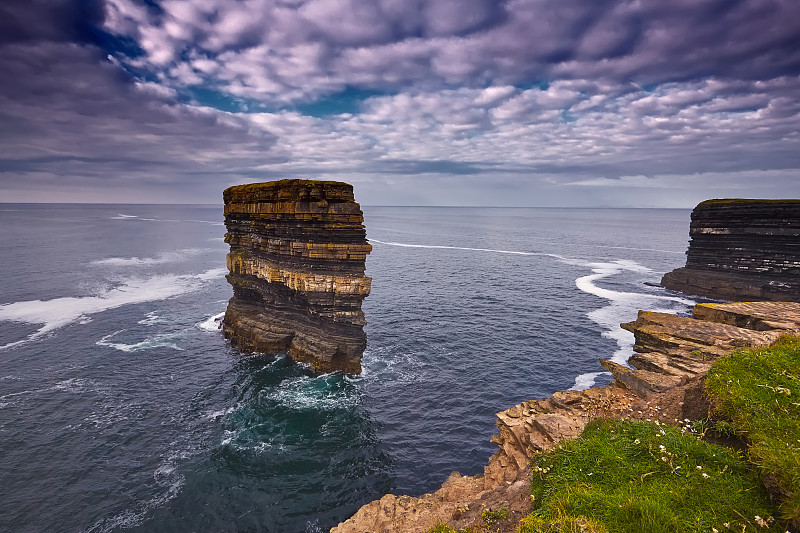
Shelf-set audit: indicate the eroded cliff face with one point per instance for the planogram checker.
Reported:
(742, 249)
(296, 262)
(673, 355)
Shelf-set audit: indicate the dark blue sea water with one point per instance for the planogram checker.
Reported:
(122, 408)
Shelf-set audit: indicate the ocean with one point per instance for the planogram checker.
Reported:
(122, 408)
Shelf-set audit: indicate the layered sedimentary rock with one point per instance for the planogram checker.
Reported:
(297, 259)
(742, 250)
(673, 355)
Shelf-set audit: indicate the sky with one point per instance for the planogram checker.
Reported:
(578, 103)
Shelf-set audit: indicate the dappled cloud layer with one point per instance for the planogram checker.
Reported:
(521, 102)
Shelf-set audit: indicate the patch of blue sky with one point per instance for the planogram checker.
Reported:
(205, 96)
(540, 84)
(349, 101)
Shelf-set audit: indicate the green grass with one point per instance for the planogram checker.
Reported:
(443, 528)
(758, 391)
(637, 477)
(489, 519)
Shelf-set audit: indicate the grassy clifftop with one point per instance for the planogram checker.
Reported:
(634, 476)
(759, 392)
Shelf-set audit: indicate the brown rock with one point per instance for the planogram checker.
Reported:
(674, 365)
(298, 249)
(759, 316)
(666, 386)
(641, 382)
(671, 334)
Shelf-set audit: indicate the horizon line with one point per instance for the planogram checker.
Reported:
(362, 205)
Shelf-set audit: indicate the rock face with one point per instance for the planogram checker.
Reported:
(673, 355)
(296, 263)
(742, 249)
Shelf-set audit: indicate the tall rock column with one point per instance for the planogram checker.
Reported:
(296, 262)
(742, 250)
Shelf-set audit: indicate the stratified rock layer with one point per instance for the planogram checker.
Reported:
(742, 249)
(673, 355)
(297, 258)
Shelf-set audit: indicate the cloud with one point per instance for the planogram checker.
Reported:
(75, 121)
(173, 100)
(325, 45)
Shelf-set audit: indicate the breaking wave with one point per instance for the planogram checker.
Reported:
(163, 257)
(212, 323)
(60, 312)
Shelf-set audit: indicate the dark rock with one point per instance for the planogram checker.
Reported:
(296, 263)
(742, 250)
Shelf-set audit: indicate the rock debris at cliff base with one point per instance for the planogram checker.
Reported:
(296, 264)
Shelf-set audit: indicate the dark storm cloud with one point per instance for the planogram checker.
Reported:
(68, 114)
(48, 20)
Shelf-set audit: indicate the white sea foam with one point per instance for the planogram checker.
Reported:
(122, 216)
(212, 222)
(152, 318)
(163, 340)
(308, 392)
(212, 323)
(163, 257)
(659, 250)
(584, 381)
(621, 307)
(389, 364)
(168, 479)
(59, 312)
(215, 415)
(440, 247)
(214, 273)
(73, 385)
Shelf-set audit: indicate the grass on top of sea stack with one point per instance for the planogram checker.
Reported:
(759, 392)
(638, 477)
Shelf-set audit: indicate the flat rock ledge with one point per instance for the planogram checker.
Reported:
(672, 357)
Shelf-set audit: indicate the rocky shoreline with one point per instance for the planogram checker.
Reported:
(672, 357)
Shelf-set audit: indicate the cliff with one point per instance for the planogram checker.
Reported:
(672, 357)
(296, 262)
(742, 249)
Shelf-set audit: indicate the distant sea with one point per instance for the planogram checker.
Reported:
(122, 408)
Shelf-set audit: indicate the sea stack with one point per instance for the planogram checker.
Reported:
(742, 250)
(297, 257)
